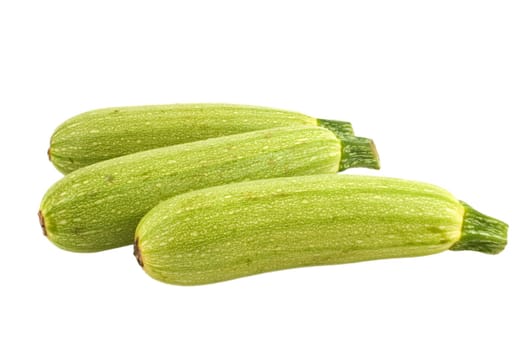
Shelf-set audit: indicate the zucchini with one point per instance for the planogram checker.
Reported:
(236, 230)
(98, 207)
(107, 133)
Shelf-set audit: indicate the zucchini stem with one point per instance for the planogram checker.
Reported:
(339, 128)
(358, 152)
(481, 233)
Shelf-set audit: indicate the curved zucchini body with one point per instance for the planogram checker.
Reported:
(107, 133)
(236, 230)
(99, 206)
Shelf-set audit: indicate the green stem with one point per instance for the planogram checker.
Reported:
(358, 152)
(481, 233)
(339, 128)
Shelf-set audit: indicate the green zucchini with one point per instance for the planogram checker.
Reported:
(98, 207)
(225, 232)
(107, 133)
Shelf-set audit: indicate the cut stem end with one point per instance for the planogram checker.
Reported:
(481, 233)
(358, 152)
(339, 128)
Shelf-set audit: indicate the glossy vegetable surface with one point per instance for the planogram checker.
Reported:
(99, 206)
(107, 133)
(236, 230)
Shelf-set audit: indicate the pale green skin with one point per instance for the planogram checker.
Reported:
(99, 206)
(236, 230)
(107, 133)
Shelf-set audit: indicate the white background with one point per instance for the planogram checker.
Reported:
(439, 85)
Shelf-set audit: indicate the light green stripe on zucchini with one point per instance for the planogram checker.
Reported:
(98, 207)
(107, 133)
(236, 230)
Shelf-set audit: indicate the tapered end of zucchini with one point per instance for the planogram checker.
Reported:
(358, 152)
(42, 222)
(339, 128)
(481, 233)
(137, 252)
(65, 166)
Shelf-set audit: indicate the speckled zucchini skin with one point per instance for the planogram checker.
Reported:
(98, 207)
(107, 133)
(236, 230)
